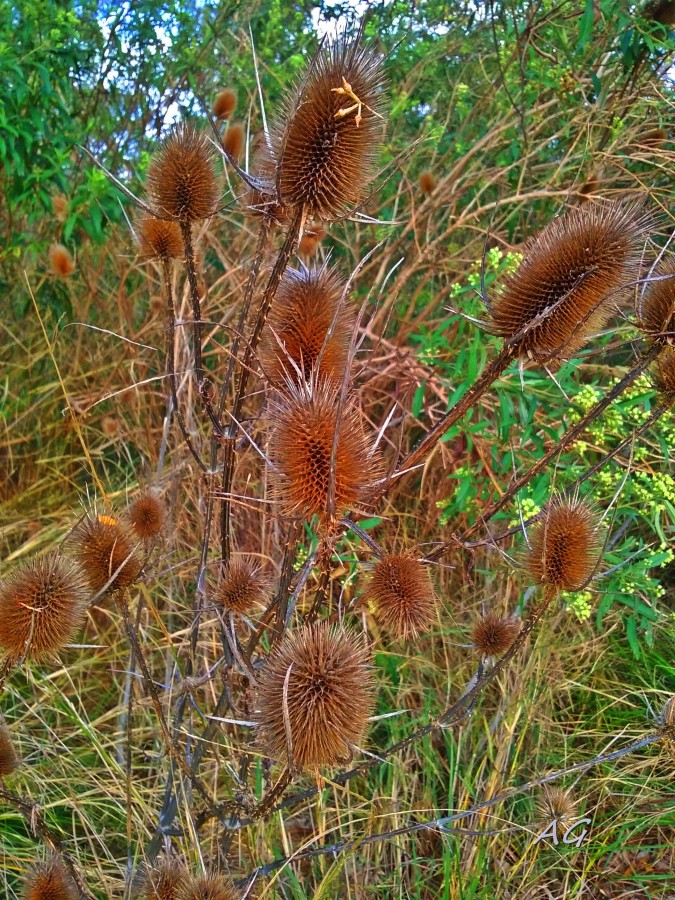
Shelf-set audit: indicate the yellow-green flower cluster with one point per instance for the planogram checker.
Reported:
(578, 603)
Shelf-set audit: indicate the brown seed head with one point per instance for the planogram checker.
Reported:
(310, 240)
(657, 315)
(241, 587)
(102, 544)
(303, 423)
(328, 141)
(49, 880)
(165, 881)
(314, 697)
(9, 761)
(60, 205)
(427, 183)
(668, 713)
(160, 238)
(663, 372)
(590, 186)
(182, 179)
(556, 805)
(564, 547)
(234, 140)
(60, 261)
(402, 593)
(209, 887)
(567, 285)
(148, 515)
(306, 304)
(42, 604)
(224, 104)
(493, 634)
(662, 11)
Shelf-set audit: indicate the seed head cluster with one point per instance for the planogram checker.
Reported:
(564, 547)
(663, 373)
(556, 805)
(42, 604)
(569, 280)
(234, 140)
(8, 758)
(402, 594)
(657, 316)
(102, 544)
(182, 179)
(310, 241)
(165, 881)
(493, 635)
(49, 880)
(160, 238)
(427, 183)
(241, 587)
(61, 262)
(314, 697)
(147, 515)
(209, 887)
(224, 104)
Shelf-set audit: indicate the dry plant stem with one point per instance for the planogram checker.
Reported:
(6, 669)
(475, 392)
(285, 579)
(37, 826)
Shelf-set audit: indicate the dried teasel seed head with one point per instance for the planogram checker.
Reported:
(160, 238)
(61, 262)
(663, 373)
(564, 547)
(657, 312)
(49, 880)
(668, 713)
(310, 240)
(164, 881)
(241, 587)
(307, 304)
(224, 104)
(234, 141)
(60, 205)
(310, 477)
(662, 11)
(9, 761)
(314, 697)
(327, 142)
(402, 594)
(182, 179)
(568, 283)
(427, 183)
(102, 544)
(42, 604)
(209, 887)
(493, 634)
(557, 805)
(148, 515)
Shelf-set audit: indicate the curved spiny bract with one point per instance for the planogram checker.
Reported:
(303, 422)
(314, 697)
(241, 587)
(493, 635)
(209, 887)
(570, 279)
(183, 183)
(657, 312)
(327, 143)
(305, 306)
(159, 238)
(402, 594)
(42, 604)
(49, 880)
(102, 544)
(564, 547)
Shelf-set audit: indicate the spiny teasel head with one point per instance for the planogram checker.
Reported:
(657, 312)
(242, 586)
(493, 635)
(326, 144)
(402, 594)
(427, 183)
(564, 547)
(306, 304)
(164, 881)
(49, 880)
(42, 604)
(308, 478)
(234, 139)
(182, 179)
(9, 761)
(568, 283)
(209, 887)
(102, 544)
(310, 240)
(314, 697)
(663, 374)
(148, 515)
(159, 238)
(224, 104)
(61, 262)
(556, 805)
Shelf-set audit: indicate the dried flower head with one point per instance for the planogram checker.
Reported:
(568, 282)
(427, 183)
(224, 104)
(314, 697)
(663, 373)
(668, 713)
(564, 547)
(309, 477)
(49, 880)
(493, 634)
(234, 141)
(556, 805)
(9, 761)
(148, 515)
(61, 262)
(327, 143)
(42, 604)
(160, 238)
(241, 587)
(60, 205)
(209, 887)
(402, 593)
(103, 544)
(164, 881)
(657, 313)
(310, 240)
(306, 305)
(182, 179)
